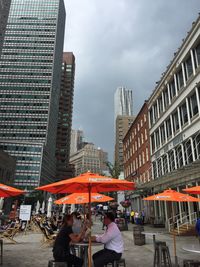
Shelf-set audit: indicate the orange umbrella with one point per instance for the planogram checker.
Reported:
(193, 190)
(8, 191)
(83, 198)
(172, 196)
(88, 183)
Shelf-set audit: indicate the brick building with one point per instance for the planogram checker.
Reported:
(136, 150)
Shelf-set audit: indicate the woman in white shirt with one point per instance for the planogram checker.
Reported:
(112, 239)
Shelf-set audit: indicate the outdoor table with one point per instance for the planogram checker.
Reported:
(84, 246)
(192, 248)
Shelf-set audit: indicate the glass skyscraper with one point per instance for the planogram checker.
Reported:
(30, 70)
(123, 102)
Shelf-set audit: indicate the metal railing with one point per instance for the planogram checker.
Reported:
(179, 221)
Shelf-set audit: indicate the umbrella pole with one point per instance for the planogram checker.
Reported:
(174, 237)
(90, 221)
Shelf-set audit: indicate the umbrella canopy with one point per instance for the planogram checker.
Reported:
(88, 182)
(172, 195)
(8, 191)
(193, 190)
(82, 198)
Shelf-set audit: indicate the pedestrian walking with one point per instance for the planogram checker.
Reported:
(132, 216)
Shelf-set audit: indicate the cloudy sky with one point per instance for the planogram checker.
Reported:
(120, 42)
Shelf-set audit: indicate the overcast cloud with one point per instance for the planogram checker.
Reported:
(120, 42)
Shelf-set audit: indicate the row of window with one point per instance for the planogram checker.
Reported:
(34, 127)
(21, 135)
(20, 148)
(31, 119)
(13, 96)
(134, 146)
(183, 154)
(31, 112)
(178, 119)
(20, 80)
(141, 159)
(175, 85)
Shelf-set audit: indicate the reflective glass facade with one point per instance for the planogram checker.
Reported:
(30, 69)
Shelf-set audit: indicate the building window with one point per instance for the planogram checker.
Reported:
(154, 170)
(138, 142)
(169, 128)
(140, 161)
(166, 97)
(162, 133)
(143, 158)
(145, 133)
(188, 68)
(135, 145)
(184, 115)
(151, 116)
(157, 139)
(145, 117)
(193, 106)
(147, 154)
(141, 122)
(159, 162)
(142, 138)
(155, 112)
(172, 89)
(152, 143)
(175, 121)
(179, 76)
(165, 164)
(179, 156)
(197, 55)
(160, 104)
(171, 160)
(136, 163)
(188, 151)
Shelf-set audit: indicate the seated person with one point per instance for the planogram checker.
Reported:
(61, 249)
(113, 241)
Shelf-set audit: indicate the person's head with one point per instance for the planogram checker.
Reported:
(109, 217)
(68, 220)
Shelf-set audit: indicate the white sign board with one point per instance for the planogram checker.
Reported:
(25, 212)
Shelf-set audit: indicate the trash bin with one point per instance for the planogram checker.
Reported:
(139, 238)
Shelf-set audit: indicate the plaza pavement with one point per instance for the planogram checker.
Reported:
(29, 253)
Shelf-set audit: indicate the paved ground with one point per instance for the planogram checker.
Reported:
(28, 251)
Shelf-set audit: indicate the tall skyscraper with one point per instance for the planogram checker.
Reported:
(4, 11)
(63, 170)
(123, 102)
(30, 63)
(77, 141)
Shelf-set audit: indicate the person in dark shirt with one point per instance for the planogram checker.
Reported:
(61, 249)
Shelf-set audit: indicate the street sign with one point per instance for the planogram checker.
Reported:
(25, 212)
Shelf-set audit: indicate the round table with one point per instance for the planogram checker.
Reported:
(192, 248)
(84, 246)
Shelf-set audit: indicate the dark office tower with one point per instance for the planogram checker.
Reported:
(30, 65)
(4, 11)
(63, 169)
